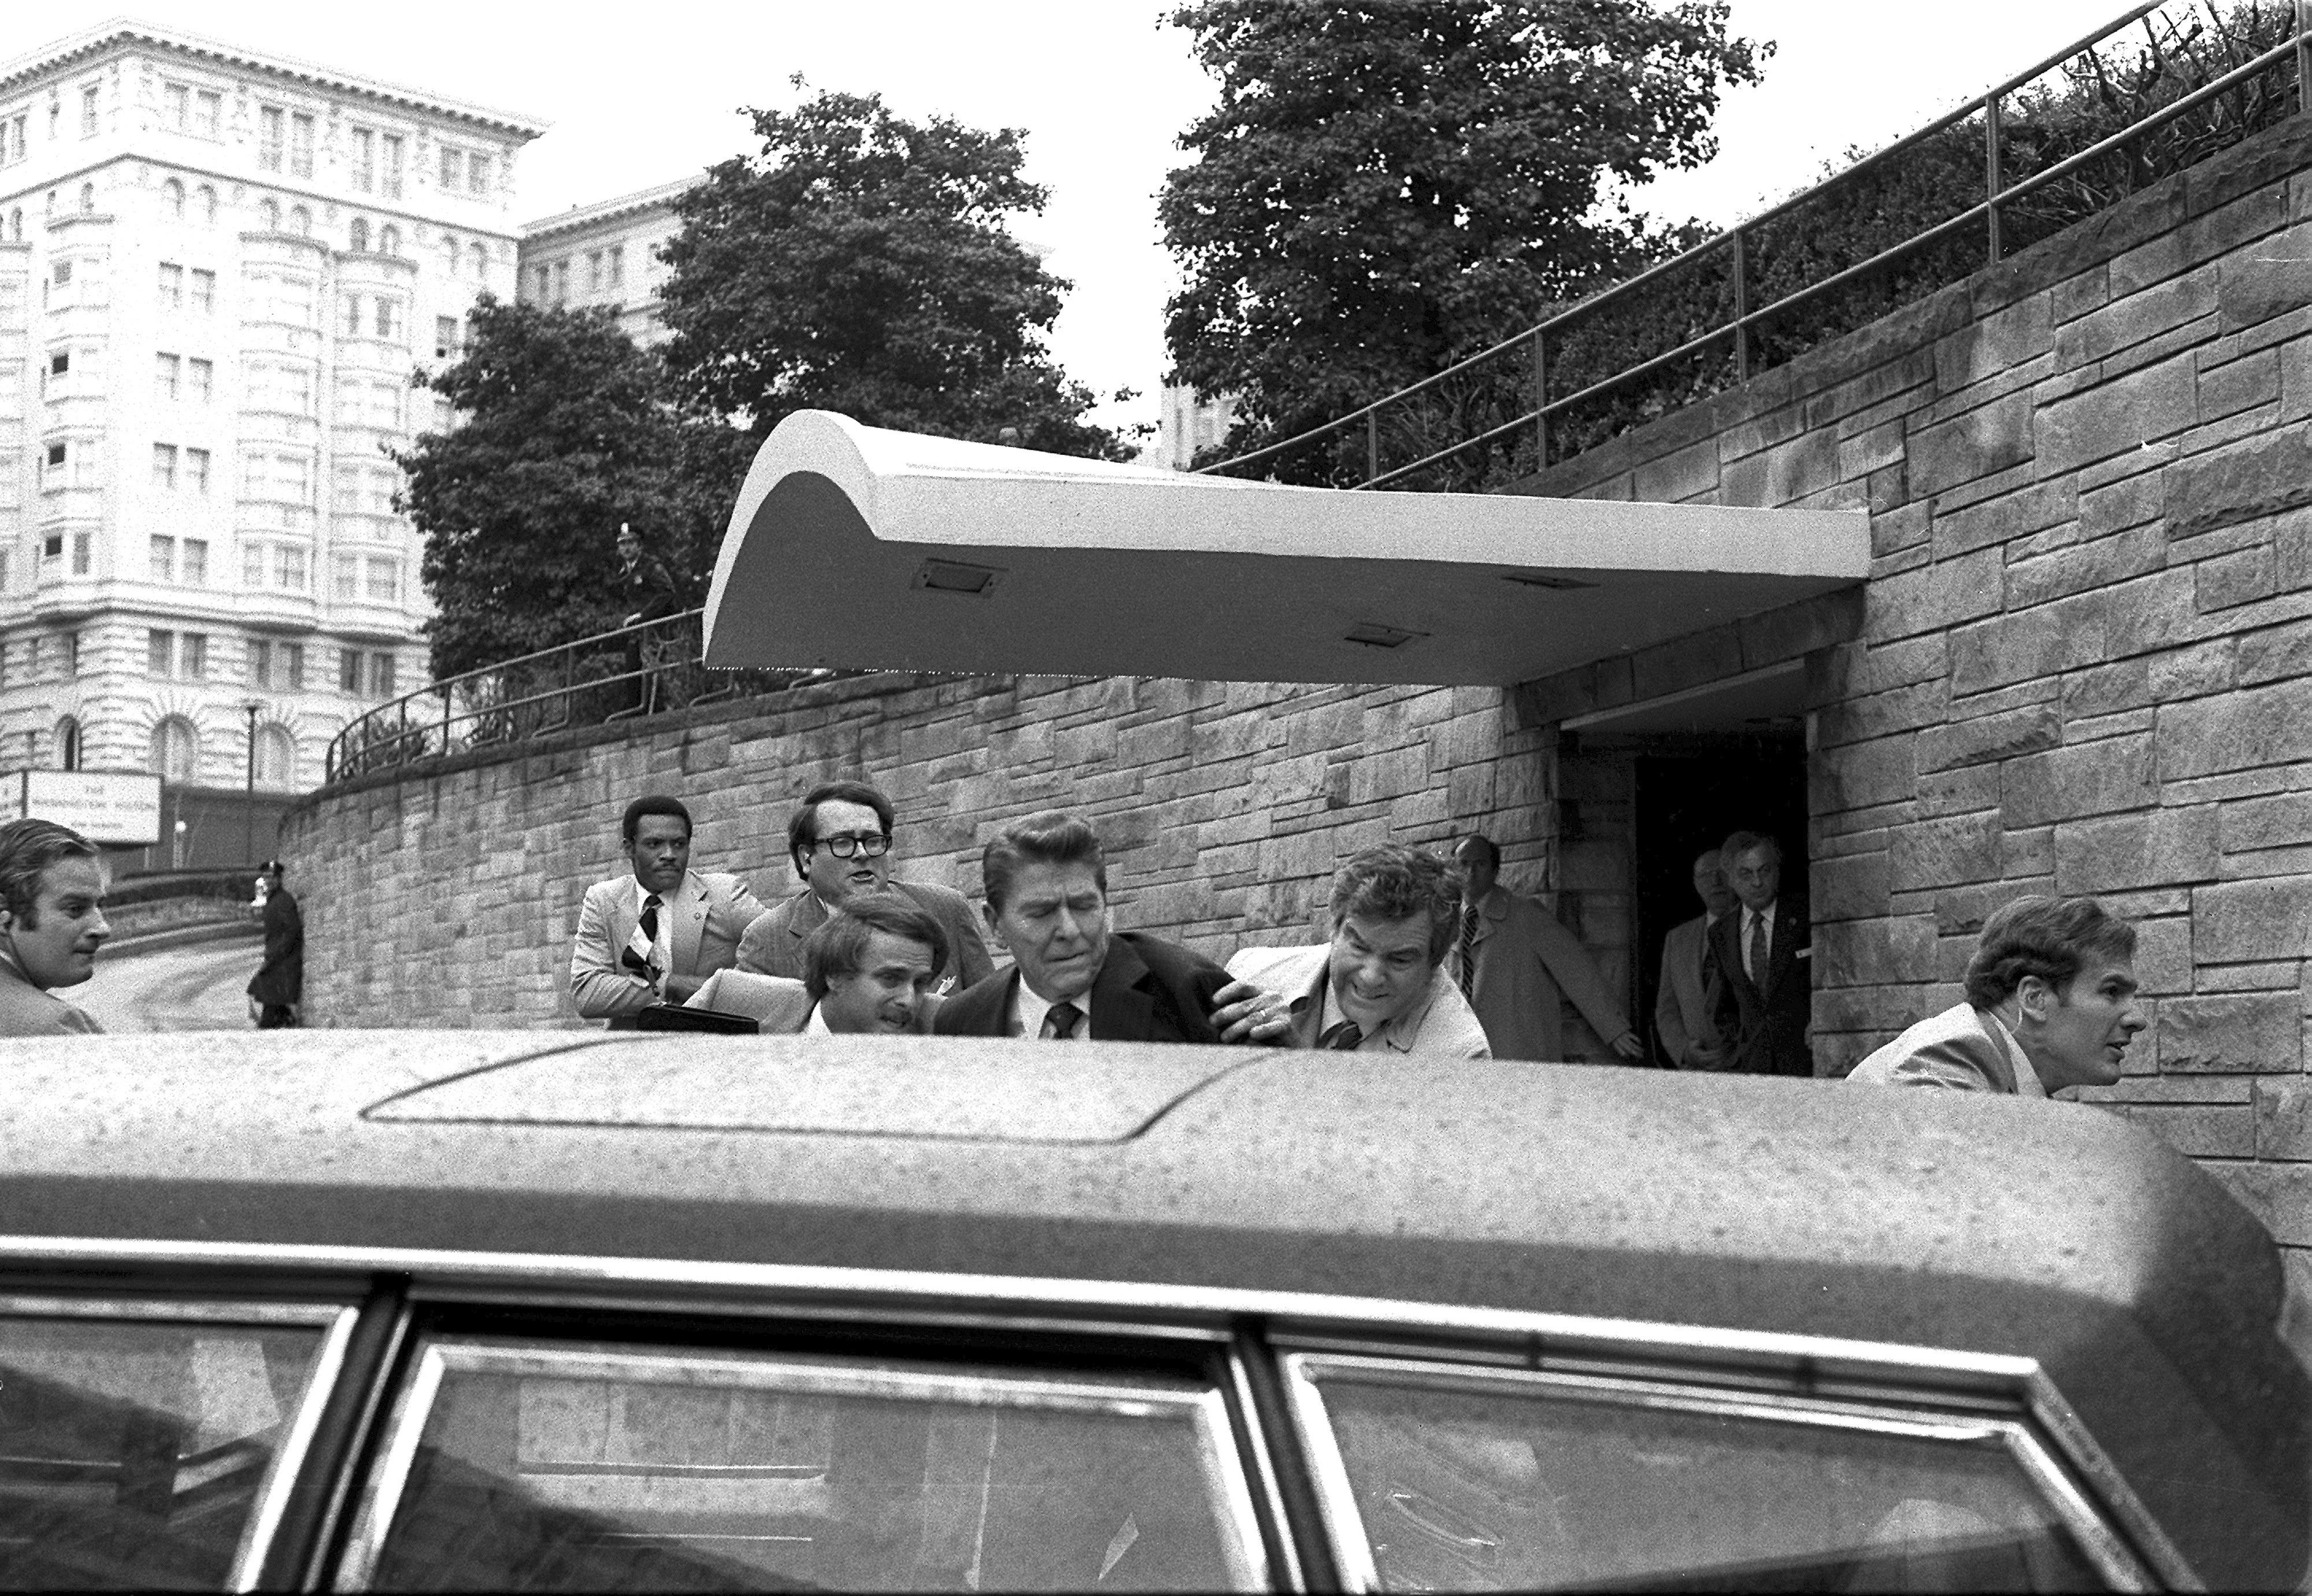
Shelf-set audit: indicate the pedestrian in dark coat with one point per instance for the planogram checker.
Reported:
(278, 991)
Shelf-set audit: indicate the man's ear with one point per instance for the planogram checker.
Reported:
(2033, 997)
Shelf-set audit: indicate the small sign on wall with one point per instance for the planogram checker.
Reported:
(120, 810)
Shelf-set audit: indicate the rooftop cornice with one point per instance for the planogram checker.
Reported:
(124, 32)
(608, 210)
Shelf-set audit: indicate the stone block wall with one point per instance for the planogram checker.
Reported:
(2084, 659)
(450, 898)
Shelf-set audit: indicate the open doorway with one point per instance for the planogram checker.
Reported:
(1685, 802)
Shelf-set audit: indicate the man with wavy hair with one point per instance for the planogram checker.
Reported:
(1380, 985)
(2050, 1005)
(52, 886)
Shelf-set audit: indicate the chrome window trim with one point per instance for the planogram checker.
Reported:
(986, 1385)
(2106, 1551)
(1291, 1574)
(289, 1457)
(935, 1297)
(381, 1486)
(164, 1310)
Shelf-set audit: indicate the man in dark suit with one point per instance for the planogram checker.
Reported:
(1761, 969)
(1075, 977)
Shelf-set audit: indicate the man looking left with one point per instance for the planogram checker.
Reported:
(52, 888)
(655, 935)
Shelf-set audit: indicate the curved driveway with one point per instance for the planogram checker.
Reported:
(198, 986)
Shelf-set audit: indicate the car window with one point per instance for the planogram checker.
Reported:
(140, 1454)
(558, 1467)
(1444, 1479)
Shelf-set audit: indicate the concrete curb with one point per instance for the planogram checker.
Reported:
(183, 936)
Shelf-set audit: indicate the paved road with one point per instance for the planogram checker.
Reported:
(199, 987)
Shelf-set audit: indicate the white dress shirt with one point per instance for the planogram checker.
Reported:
(1029, 1011)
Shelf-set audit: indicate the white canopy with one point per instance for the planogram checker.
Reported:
(853, 547)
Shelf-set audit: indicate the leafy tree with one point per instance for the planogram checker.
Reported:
(1387, 186)
(859, 264)
(565, 429)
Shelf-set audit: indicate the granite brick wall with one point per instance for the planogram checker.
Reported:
(2083, 662)
(450, 898)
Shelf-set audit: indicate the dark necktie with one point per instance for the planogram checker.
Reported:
(641, 948)
(1468, 971)
(1342, 1038)
(1061, 1020)
(1758, 950)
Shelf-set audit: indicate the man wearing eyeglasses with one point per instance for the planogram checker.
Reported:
(840, 841)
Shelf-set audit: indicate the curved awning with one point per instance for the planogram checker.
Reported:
(853, 548)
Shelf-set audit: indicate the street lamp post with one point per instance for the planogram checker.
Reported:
(249, 797)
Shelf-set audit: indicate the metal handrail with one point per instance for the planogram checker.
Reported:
(645, 668)
(1999, 194)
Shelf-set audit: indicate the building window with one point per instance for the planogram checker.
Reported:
(160, 562)
(208, 113)
(364, 159)
(52, 548)
(301, 144)
(269, 473)
(11, 140)
(173, 199)
(389, 242)
(593, 267)
(380, 676)
(201, 383)
(477, 173)
(59, 367)
(177, 101)
(172, 286)
(445, 336)
(17, 225)
(289, 567)
(68, 744)
(480, 255)
(450, 253)
(55, 471)
(88, 97)
(352, 302)
(81, 551)
(194, 569)
(204, 198)
(160, 653)
(280, 296)
(276, 758)
(197, 471)
(55, 120)
(88, 199)
(384, 580)
(193, 654)
(300, 222)
(271, 120)
(364, 401)
(357, 237)
(388, 318)
(252, 566)
(345, 585)
(283, 389)
(349, 670)
(452, 168)
(269, 215)
(204, 292)
(175, 749)
(164, 466)
(617, 266)
(561, 282)
(260, 662)
(391, 187)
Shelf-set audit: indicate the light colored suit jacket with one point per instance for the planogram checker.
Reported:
(1439, 1024)
(1962, 1048)
(779, 1006)
(711, 913)
(1682, 1016)
(26, 1010)
(773, 945)
(1527, 966)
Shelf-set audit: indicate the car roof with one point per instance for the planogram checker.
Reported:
(2052, 1231)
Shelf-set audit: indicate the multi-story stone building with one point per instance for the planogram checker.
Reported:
(218, 271)
(606, 254)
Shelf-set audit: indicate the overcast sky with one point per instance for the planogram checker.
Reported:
(642, 94)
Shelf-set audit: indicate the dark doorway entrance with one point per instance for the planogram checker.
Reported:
(1687, 802)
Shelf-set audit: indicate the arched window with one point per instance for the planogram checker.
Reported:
(88, 199)
(276, 757)
(67, 744)
(269, 215)
(17, 225)
(389, 239)
(175, 749)
(207, 196)
(481, 258)
(300, 222)
(357, 237)
(449, 253)
(173, 199)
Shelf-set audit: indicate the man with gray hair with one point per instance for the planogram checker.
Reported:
(2050, 1004)
(1381, 984)
(52, 886)
(1761, 965)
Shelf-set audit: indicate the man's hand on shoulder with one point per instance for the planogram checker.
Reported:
(1244, 1013)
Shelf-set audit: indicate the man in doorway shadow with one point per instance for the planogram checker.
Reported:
(1761, 965)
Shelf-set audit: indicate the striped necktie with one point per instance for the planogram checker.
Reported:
(641, 957)
(1759, 950)
(1468, 973)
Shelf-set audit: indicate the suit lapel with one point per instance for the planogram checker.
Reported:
(689, 923)
(1121, 1007)
(807, 915)
(626, 914)
(1785, 950)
